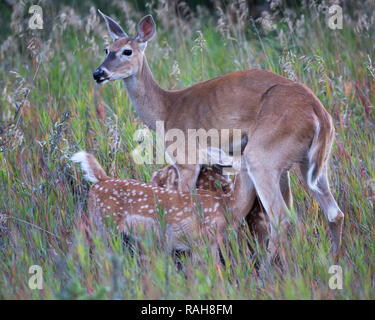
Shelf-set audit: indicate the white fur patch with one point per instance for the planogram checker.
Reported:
(332, 213)
(220, 157)
(81, 157)
(313, 184)
(217, 204)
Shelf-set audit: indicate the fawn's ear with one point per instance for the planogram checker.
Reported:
(146, 29)
(114, 29)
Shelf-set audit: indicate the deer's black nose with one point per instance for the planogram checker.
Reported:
(98, 74)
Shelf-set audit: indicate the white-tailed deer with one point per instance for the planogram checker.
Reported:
(208, 179)
(135, 206)
(213, 181)
(285, 122)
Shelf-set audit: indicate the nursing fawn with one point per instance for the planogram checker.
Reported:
(209, 179)
(135, 206)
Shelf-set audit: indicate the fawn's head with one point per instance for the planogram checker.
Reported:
(125, 55)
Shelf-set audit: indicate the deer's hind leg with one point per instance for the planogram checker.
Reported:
(266, 181)
(286, 191)
(257, 219)
(328, 204)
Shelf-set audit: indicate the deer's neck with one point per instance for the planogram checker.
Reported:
(148, 98)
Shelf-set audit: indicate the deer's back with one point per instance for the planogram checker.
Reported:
(229, 101)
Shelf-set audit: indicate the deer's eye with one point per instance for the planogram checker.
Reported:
(106, 51)
(127, 52)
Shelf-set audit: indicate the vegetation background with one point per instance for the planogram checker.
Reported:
(50, 107)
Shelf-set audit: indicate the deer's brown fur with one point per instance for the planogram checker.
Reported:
(136, 206)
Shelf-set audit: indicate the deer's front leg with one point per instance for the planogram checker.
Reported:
(187, 176)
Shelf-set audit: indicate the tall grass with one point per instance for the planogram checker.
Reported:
(50, 107)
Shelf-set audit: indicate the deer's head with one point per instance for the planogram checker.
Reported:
(125, 55)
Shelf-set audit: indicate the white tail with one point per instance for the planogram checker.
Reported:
(91, 168)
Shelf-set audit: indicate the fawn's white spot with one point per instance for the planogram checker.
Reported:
(217, 204)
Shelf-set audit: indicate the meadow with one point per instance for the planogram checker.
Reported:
(50, 107)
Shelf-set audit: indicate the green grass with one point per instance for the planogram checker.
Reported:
(43, 197)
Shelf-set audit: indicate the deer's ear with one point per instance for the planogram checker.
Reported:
(146, 28)
(114, 29)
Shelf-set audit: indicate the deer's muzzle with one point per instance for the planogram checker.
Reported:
(100, 75)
